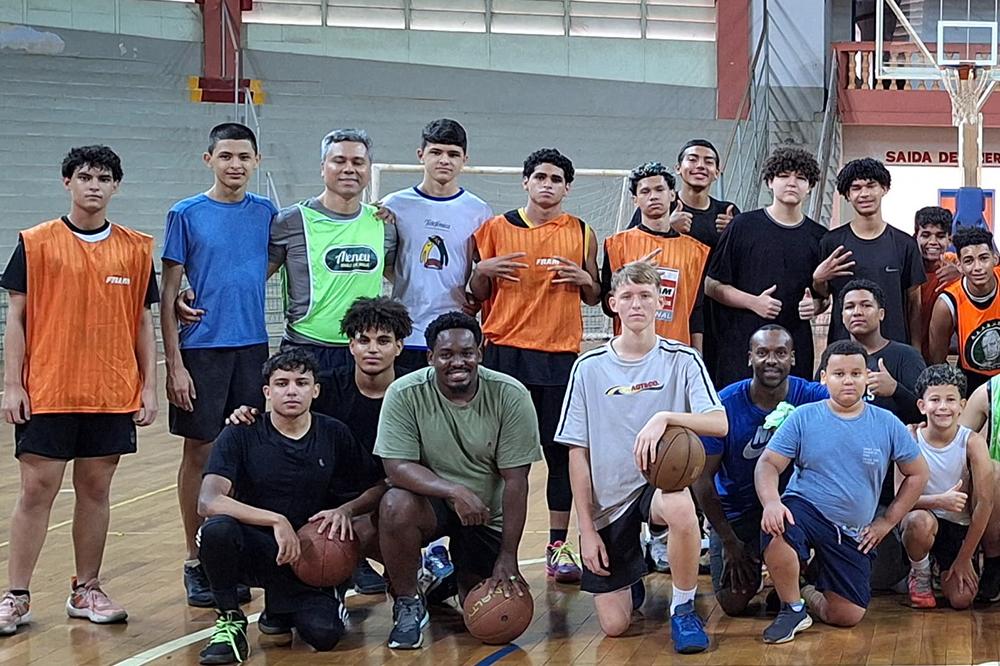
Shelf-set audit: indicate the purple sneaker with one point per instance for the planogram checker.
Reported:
(561, 563)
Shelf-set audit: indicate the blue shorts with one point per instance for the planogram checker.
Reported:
(843, 569)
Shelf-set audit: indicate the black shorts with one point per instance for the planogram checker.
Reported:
(843, 569)
(948, 542)
(623, 542)
(223, 379)
(69, 436)
(474, 549)
(328, 357)
(412, 358)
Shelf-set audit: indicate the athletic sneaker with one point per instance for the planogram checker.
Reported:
(788, 623)
(366, 580)
(409, 617)
(275, 629)
(561, 563)
(89, 602)
(436, 561)
(228, 644)
(657, 553)
(199, 591)
(441, 590)
(687, 630)
(15, 610)
(921, 594)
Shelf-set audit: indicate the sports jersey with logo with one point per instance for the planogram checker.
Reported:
(610, 399)
(681, 265)
(85, 302)
(747, 440)
(533, 313)
(434, 257)
(978, 325)
(328, 261)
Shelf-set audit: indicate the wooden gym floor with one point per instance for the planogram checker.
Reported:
(142, 570)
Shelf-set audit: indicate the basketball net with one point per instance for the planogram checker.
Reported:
(969, 87)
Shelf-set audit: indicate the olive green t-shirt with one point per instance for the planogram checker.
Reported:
(464, 444)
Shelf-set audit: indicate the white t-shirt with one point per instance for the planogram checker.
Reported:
(610, 399)
(434, 254)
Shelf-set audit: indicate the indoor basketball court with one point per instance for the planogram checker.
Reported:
(628, 81)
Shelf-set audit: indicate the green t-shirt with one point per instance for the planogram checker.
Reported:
(465, 444)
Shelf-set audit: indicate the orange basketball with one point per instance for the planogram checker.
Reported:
(680, 457)
(324, 562)
(495, 619)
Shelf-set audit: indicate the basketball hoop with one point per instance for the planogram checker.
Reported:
(969, 87)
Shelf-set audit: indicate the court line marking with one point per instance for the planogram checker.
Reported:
(157, 651)
(116, 505)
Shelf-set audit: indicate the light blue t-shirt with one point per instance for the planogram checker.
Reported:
(223, 248)
(840, 463)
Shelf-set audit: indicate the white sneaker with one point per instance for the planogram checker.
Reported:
(657, 546)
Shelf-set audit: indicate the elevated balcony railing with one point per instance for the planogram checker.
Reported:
(865, 100)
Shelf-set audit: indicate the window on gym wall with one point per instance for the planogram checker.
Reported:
(692, 20)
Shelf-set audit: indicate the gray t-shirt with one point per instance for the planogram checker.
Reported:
(840, 462)
(610, 399)
(288, 247)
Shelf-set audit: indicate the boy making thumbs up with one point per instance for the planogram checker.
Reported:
(762, 268)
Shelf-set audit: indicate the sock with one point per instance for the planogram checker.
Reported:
(797, 606)
(192, 563)
(19, 593)
(921, 567)
(680, 597)
(560, 535)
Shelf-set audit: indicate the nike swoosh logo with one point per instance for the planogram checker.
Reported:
(891, 270)
(750, 451)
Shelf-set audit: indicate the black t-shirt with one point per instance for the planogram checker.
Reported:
(756, 252)
(296, 478)
(15, 276)
(702, 221)
(340, 398)
(892, 261)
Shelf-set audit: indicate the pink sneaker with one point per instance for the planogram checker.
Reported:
(89, 602)
(15, 610)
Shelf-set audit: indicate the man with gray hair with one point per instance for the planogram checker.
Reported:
(333, 249)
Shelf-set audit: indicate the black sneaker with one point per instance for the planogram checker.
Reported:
(243, 595)
(409, 617)
(228, 644)
(788, 623)
(199, 592)
(989, 585)
(366, 580)
(275, 629)
(442, 590)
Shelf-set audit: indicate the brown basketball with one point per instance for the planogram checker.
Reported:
(680, 457)
(324, 562)
(495, 619)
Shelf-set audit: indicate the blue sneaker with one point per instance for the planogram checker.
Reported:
(687, 630)
(788, 623)
(438, 563)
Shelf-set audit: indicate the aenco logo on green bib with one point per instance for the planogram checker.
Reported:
(351, 259)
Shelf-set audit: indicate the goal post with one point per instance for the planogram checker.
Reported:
(599, 197)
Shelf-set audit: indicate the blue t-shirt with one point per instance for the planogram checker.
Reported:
(746, 440)
(840, 463)
(223, 248)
